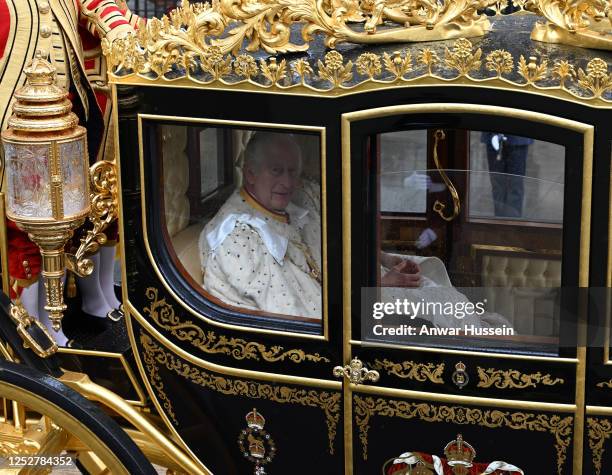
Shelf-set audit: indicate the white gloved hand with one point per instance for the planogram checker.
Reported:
(426, 238)
(417, 181)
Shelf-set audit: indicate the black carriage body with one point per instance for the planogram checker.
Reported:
(207, 366)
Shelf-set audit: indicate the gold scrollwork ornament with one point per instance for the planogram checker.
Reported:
(411, 370)
(514, 379)
(255, 443)
(599, 430)
(104, 206)
(162, 313)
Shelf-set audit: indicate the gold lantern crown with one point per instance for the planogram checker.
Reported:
(41, 106)
(459, 452)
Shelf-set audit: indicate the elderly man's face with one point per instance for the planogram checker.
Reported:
(274, 183)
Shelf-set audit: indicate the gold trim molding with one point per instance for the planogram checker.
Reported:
(513, 379)
(162, 313)
(599, 431)
(559, 427)
(154, 355)
(462, 64)
(411, 370)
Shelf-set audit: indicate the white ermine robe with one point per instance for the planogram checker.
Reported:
(257, 259)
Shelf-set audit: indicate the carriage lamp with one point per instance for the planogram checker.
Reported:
(46, 169)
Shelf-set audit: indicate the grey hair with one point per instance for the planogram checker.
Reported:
(258, 147)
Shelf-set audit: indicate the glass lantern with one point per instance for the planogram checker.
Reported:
(46, 168)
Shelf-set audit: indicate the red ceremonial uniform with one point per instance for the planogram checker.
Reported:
(68, 32)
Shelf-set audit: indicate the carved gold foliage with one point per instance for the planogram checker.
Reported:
(429, 58)
(245, 66)
(104, 207)
(334, 70)
(273, 71)
(576, 16)
(599, 430)
(328, 402)
(596, 78)
(462, 58)
(563, 70)
(512, 378)
(411, 370)
(162, 313)
(532, 71)
(12, 443)
(500, 61)
(302, 69)
(605, 384)
(368, 64)
(398, 64)
(559, 427)
(209, 65)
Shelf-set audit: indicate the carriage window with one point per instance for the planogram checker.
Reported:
(402, 180)
(243, 218)
(515, 178)
(480, 264)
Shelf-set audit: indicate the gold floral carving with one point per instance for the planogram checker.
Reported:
(605, 384)
(514, 379)
(162, 313)
(599, 430)
(328, 402)
(411, 370)
(560, 427)
(462, 63)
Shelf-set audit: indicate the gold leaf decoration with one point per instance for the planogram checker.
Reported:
(514, 379)
(500, 61)
(559, 427)
(532, 71)
(564, 71)
(155, 379)
(596, 79)
(213, 62)
(273, 71)
(162, 313)
(303, 69)
(245, 66)
(599, 430)
(334, 70)
(605, 384)
(411, 370)
(462, 58)
(329, 402)
(429, 58)
(368, 64)
(397, 64)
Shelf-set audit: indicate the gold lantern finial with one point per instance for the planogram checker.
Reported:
(47, 173)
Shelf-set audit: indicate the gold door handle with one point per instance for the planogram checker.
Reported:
(438, 206)
(356, 372)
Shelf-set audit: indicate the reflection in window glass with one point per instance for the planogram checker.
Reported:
(242, 212)
(401, 171)
(494, 282)
(498, 165)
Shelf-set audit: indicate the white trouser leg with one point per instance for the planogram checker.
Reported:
(43, 315)
(94, 302)
(29, 298)
(107, 274)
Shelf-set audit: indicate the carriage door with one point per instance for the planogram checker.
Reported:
(461, 289)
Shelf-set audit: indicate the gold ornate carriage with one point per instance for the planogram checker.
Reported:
(396, 108)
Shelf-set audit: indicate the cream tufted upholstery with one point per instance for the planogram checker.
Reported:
(529, 291)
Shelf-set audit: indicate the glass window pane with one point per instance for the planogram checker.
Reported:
(243, 217)
(402, 171)
(499, 166)
(487, 283)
